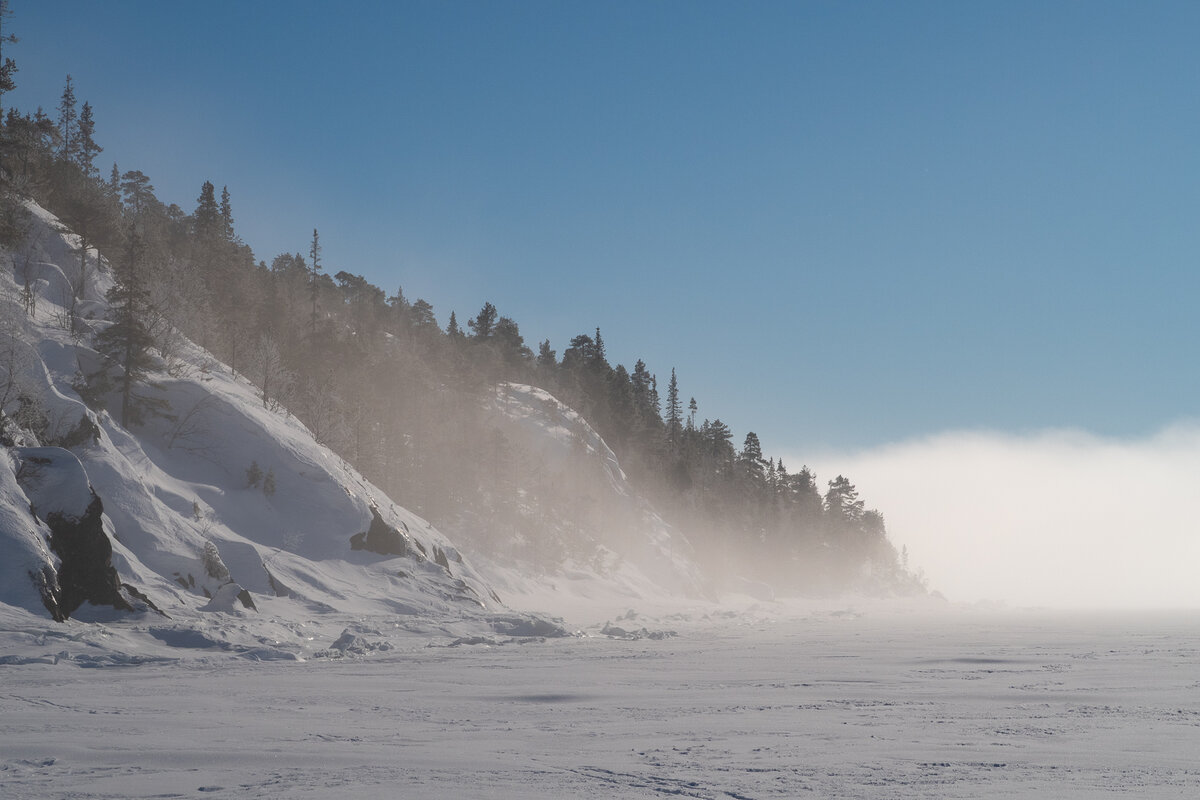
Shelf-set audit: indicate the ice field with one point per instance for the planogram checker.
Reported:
(764, 702)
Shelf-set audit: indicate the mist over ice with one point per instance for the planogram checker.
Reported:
(1054, 518)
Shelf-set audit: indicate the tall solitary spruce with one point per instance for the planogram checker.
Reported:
(315, 256)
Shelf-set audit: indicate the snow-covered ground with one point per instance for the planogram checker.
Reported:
(763, 701)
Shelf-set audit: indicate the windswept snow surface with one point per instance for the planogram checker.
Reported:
(763, 702)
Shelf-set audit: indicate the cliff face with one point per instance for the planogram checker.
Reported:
(61, 498)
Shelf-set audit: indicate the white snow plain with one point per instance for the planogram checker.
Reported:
(766, 701)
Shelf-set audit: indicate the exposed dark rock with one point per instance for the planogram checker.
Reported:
(526, 625)
(380, 538)
(439, 558)
(615, 632)
(133, 592)
(247, 600)
(86, 573)
(277, 586)
(85, 433)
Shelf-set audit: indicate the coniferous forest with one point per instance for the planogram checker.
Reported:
(397, 388)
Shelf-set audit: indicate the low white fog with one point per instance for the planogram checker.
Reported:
(1059, 518)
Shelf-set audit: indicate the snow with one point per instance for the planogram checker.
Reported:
(53, 480)
(22, 543)
(765, 701)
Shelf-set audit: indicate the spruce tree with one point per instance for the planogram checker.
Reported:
(208, 215)
(87, 149)
(226, 215)
(751, 459)
(67, 123)
(674, 410)
(8, 67)
(547, 359)
(453, 330)
(126, 343)
(314, 253)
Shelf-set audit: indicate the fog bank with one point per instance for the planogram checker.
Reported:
(1060, 518)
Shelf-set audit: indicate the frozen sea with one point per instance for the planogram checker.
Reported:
(760, 703)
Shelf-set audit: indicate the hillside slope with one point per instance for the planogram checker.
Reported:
(222, 506)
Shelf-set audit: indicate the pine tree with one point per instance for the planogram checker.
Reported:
(484, 323)
(68, 123)
(87, 149)
(314, 254)
(644, 408)
(138, 192)
(126, 343)
(254, 475)
(8, 67)
(226, 215)
(751, 459)
(547, 359)
(674, 410)
(841, 501)
(422, 316)
(208, 215)
(453, 330)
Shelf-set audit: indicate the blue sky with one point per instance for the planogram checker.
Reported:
(844, 224)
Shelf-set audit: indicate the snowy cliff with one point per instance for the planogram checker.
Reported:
(221, 505)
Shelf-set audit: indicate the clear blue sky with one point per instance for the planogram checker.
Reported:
(844, 224)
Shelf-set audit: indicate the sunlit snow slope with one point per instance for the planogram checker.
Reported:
(189, 528)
